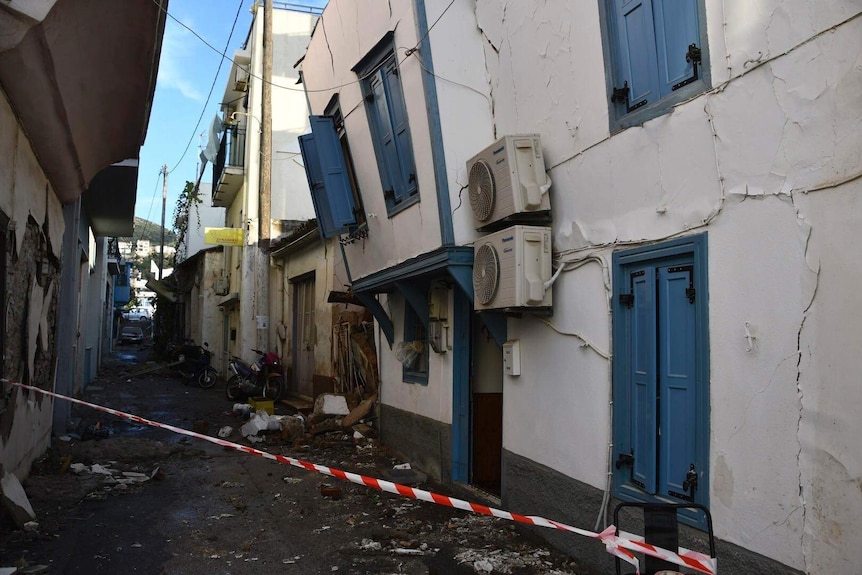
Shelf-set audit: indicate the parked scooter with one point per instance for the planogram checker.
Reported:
(194, 364)
(263, 378)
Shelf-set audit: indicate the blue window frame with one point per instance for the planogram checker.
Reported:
(416, 342)
(657, 56)
(328, 178)
(390, 130)
(661, 373)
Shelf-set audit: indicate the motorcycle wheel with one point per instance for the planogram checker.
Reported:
(274, 387)
(207, 378)
(233, 388)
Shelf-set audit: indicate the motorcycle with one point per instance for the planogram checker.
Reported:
(263, 378)
(193, 363)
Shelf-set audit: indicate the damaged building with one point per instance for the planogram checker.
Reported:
(606, 247)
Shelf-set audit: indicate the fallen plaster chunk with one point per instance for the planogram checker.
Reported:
(331, 404)
(15, 500)
(96, 468)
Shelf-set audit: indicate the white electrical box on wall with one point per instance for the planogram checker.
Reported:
(512, 357)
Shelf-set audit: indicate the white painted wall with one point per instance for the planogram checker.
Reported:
(25, 193)
(433, 400)
(768, 164)
(291, 199)
(202, 216)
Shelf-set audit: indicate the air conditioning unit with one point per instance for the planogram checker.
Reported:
(222, 285)
(511, 268)
(507, 181)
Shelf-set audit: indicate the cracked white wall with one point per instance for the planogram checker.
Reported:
(25, 193)
(768, 164)
(346, 32)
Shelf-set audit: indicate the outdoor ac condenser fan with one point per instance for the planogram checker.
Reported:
(482, 190)
(486, 274)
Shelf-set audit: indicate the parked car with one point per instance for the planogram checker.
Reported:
(131, 334)
(136, 315)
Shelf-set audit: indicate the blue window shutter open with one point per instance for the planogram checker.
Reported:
(676, 27)
(677, 378)
(337, 188)
(643, 378)
(401, 130)
(314, 173)
(389, 175)
(637, 49)
(328, 181)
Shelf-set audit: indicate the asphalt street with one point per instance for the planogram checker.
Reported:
(117, 496)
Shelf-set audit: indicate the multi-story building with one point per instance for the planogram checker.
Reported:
(77, 81)
(143, 248)
(675, 322)
(246, 289)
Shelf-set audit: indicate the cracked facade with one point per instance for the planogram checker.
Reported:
(763, 162)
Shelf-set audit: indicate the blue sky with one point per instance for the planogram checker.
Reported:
(186, 72)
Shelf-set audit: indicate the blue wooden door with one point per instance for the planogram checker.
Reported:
(676, 375)
(643, 379)
(662, 378)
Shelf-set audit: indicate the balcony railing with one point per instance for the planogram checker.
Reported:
(231, 152)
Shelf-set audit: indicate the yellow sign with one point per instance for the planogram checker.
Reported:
(223, 236)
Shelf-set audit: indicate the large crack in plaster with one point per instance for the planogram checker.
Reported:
(328, 47)
(488, 74)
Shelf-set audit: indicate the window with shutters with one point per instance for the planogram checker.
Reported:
(661, 373)
(333, 110)
(329, 179)
(390, 130)
(656, 52)
(415, 366)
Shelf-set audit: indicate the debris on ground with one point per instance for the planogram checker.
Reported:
(331, 404)
(15, 500)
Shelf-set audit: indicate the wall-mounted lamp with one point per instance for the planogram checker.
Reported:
(234, 120)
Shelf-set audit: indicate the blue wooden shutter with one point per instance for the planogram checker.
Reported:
(677, 378)
(637, 49)
(314, 173)
(676, 27)
(338, 189)
(330, 203)
(386, 139)
(401, 129)
(642, 376)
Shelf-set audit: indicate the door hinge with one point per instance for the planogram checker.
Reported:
(621, 95)
(627, 299)
(625, 460)
(693, 55)
(690, 293)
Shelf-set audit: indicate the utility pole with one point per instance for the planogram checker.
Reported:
(164, 202)
(265, 188)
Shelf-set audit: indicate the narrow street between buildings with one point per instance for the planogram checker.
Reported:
(116, 496)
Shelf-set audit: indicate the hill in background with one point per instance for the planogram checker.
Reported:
(147, 230)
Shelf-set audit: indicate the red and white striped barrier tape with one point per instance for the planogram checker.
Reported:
(621, 546)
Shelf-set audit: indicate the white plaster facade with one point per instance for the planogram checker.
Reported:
(248, 266)
(766, 162)
(74, 106)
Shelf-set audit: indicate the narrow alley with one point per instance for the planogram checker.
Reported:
(188, 506)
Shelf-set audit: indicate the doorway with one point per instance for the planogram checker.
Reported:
(303, 335)
(486, 409)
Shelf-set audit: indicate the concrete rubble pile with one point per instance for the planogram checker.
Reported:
(339, 414)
